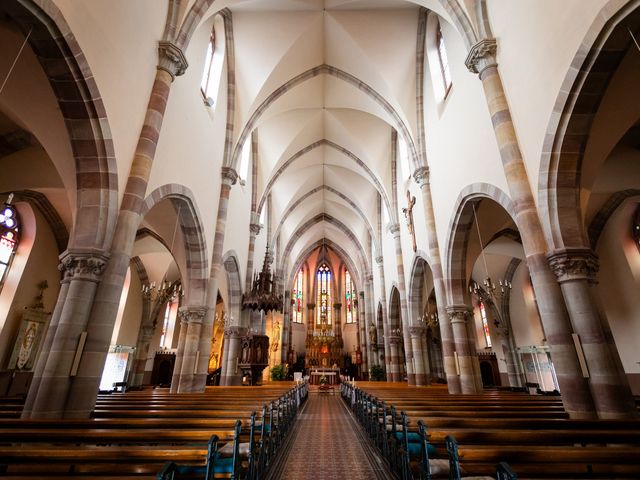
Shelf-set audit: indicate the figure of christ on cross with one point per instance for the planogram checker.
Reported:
(408, 213)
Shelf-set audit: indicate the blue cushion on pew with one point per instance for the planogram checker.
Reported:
(191, 470)
(223, 465)
(412, 437)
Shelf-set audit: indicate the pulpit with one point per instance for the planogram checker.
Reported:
(254, 357)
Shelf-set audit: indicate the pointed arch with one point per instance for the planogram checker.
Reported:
(84, 113)
(195, 246)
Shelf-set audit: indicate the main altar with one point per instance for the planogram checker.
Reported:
(324, 344)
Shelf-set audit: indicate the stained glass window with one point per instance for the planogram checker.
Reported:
(296, 310)
(9, 227)
(444, 61)
(485, 325)
(350, 293)
(324, 303)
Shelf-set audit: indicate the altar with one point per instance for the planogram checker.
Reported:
(332, 375)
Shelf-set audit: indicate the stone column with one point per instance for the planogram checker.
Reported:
(286, 326)
(45, 350)
(576, 270)
(416, 342)
(142, 351)
(191, 355)
(394, 360)
(254, 229)
(421, 176)
(82, 272)
(576, 395)
(362, 326)
(458, 315)
(425, 357)
(225, 357)
(228, 178)
(233, 375)
(404, 310)
(183, 317)
(372, 349)
(385, 319)
(311, 319)
(99, 324)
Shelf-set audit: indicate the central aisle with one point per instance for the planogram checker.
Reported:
(328, 443)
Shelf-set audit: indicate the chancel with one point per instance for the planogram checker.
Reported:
(319, 239)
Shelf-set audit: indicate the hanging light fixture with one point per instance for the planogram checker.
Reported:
(166, 290)
(490, 288)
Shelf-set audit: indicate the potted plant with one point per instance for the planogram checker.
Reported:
(278, 373)
(376, 373)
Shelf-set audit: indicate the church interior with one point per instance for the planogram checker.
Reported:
(250, 239)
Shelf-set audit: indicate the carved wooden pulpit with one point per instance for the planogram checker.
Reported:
(254, 357)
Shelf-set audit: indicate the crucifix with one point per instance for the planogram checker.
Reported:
(408, 213)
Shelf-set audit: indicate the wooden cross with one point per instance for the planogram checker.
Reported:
(408, 213)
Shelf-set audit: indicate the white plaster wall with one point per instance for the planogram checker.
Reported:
(121, 50)
(132, 314)
(537, 40)
(619, 281)
(525, 322)
(35, 260)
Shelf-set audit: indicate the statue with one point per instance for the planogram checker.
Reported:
(373, 334)
(245, 353)
(408, 213)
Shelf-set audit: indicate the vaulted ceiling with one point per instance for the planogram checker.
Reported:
(322, 84)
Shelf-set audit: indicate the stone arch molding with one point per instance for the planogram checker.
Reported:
(459, 226)
(195, 245)
(84, 114)
(570, 125)
(416, 282)
(234, 284)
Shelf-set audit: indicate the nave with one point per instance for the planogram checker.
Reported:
(328, 443)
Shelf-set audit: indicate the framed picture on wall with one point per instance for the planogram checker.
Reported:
(30, 335)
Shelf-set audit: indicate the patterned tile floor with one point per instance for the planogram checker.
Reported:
(327, 445)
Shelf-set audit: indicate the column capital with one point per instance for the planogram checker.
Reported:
(394, 339)
(459, 313)
(83, 265)
(482, 55)
(337, 306)
(255, 228)
(421, 176)
(229, 175)
(235, 331)
(394, 228)
(171, 59)
(574, 264)
(192, 314)
(379, 259)
(417, 331)
(311, 306)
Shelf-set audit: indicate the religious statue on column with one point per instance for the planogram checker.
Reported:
(408, 214)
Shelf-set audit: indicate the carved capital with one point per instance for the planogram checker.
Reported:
(192, 314)
(574, 264)
(482, 55)
(421, 176)
(394, 228)
(229, 175)
(379, 259)
(394, 339)
(337, 306)
(171, 59)
(254, 228)
(311, 306)
(235, 331)
(458, 313)
(417, 331)
(86, 266)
